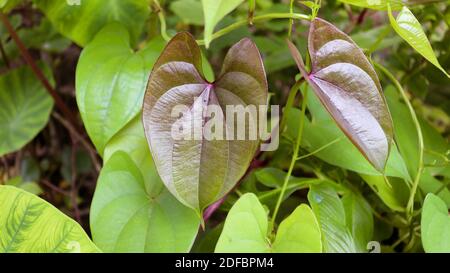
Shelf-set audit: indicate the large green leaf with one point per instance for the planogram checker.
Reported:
(30, 224)
(133, 212)
(25, 107)
(109, 98)
(199, 170)
(347, 85)
(81, 22)
(214, 11)
(330, 212)
(407, 27)
(435, 225)
(246, 230)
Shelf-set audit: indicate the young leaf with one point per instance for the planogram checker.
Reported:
(348, 87)
(30, 224)
(109, 98)
(330, 212)
(25, 107)
(133, 212)
(81, 22)
(435, 225)
(246, 230)
(214, 11)
(196, 170)
(299, 233)
(407, 27)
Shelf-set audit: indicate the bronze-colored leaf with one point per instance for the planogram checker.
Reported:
(348, 86)
(199, 171)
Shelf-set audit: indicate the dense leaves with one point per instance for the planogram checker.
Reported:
(29, 224)
(184, 164)
(348, 86)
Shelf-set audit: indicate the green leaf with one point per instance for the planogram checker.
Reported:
(109, 98)
(81, 22)
(132, 213)
(435, 225)
(299, 233)
(185, 162)
(407, 27)
(330, 212)
(348, 87)
(359, 219)
(190, 11)
(25, 108)
(30, 224)
(246, 230)
(246, 227)
(214, 11)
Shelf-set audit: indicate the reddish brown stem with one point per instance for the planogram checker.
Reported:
(38, 72)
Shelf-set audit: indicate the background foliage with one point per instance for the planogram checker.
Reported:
(72, 82)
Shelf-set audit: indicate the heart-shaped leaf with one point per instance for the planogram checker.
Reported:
(348, 87)
(25, 107)
(109, 98)
(30, 224)
(131, 213)
(407, 27)
(246, 230)
(196, 169)
(80, 20)
(214, 11)
(435, 225)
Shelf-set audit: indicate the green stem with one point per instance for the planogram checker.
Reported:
(251, 11)
(319, 149)
(265, 17)
(294, 157)
(291, 21)
(162, 20)
(415, 185)
(289, 103)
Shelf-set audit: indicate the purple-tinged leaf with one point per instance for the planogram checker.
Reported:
(348, 87)
(200, 170)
